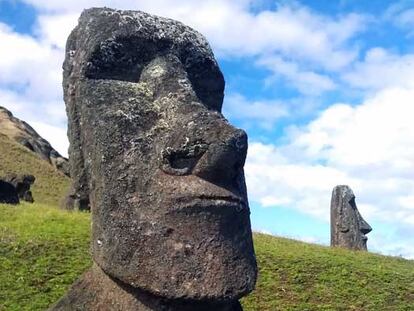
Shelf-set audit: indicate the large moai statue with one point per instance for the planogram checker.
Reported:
(170, 217)
(348, 228)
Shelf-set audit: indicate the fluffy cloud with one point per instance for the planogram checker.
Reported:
(379, 131)
(55, 135)
(52, 30)
(307, 82)
(291, 32)
(401, 14)
(30, 78)
(289, 29)
(262, 112)
(368, 146)
(273, 179)
(381, 69)
(30, 66)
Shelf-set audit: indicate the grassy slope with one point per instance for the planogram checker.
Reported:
(50, 185)
(301, 276)
(44, 249)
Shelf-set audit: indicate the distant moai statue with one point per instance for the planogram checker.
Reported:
(162, 167)
(348, 228)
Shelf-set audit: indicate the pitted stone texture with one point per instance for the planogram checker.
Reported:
(8, 193)
(25, 135)
(96, 291)
(22, 183)
(348, 228)
(163, 168)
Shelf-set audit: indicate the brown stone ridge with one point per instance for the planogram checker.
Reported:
(21, 132)
(96, 291)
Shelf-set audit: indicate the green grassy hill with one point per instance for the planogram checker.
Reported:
(44, 249)
(50, 185)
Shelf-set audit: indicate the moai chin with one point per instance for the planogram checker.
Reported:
(164, 168)
(348, 228)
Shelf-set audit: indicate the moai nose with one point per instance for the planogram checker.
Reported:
(224, 159)
(364, 227)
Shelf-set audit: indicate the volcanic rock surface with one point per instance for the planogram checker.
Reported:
(22, 183)
(8, 193)
(159, 165)
(25, 135)
(348, 228)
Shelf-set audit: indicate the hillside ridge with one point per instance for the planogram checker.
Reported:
(22, 133)
(51, 184)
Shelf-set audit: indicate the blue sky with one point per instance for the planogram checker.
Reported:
(324, 89)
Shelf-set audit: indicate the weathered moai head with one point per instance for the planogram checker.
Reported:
(22, 183)
(348, 228)
(164, 167)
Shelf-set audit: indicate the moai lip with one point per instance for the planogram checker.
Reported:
(348, 228)
(162, 167)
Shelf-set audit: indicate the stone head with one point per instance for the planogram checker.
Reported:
(164, 167)
(348, 228)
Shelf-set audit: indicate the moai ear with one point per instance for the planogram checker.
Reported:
(343, 224)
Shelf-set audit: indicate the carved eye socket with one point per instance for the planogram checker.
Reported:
(123, 58)
(352, 202)
(181, 161)
(344, 228)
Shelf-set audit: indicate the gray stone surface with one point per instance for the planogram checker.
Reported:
(163, 168)
(348, 228)
(8, 193)
(97, 291)
(22, 183)
(25, 135)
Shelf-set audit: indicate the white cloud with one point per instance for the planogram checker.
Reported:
(262, 231)
(291, 32)
(378, 131)
(56, 136)
(273, 179)
(309, 239)
(26, 109)
(381, 69)
(30, 66)
(37, 115)
(401, 14)
(53, 30)
(31, 75)
(392, 242)
(262, 112)
(307, 82)
(369, 147)
(9, 100)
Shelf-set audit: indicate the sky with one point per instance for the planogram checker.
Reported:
(324, 89)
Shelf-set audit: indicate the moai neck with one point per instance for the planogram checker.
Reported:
(96, 291)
